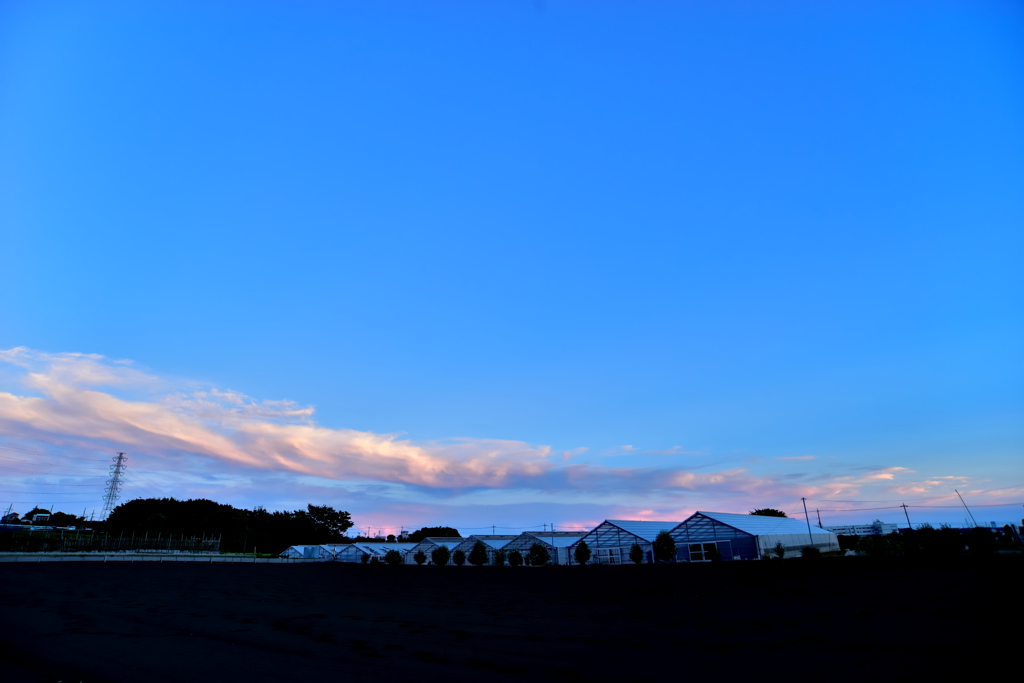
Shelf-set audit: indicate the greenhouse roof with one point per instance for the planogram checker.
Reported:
(645, 530)
(760, 525)
(561, 539)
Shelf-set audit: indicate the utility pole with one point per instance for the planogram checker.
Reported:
(808, 518)
(965, 506)
(819, 517)
(904, 506)
(113, 490)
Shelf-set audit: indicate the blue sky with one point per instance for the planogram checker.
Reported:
(560, 261)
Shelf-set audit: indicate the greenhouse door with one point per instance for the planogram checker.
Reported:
(703, 552)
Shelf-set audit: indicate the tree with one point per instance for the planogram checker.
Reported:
(64, 519)
(238, 530)
(780, 550)
(539, 555)
(420, 557)
(664, 547)
(810, 552)
(392, 539)
(434, 532)
(365, 559)
(768, 512)
(499, 558)
(30, 515)
(459, 558)
(440, 555)
(328, 523)
(582, 553)
(515, 558)
(636, 553)
(393, 557)
(478, 555)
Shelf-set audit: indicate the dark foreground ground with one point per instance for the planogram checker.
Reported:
(835, 619)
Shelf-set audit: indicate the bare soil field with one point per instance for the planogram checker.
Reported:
(832, 619)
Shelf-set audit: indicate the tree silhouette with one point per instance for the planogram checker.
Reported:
(664, 547)
(459, 558)
(420, 557)
(636, 553)
(515, 558)
(478, 555)
(440, 556)
(433, 532)
(539, 555)
(768, 512)
(582, 553)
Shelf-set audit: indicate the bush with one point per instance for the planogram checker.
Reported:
(420, 557)
(780, 550)
(499, 558)
(478, 555)
(393, 557)
(539, 555)
(440, 556)
(515, 558)
(664, 547)
(810, 552)
(636, 553)
(582, 553)
(365, 559)
(980, 541)
(459, 558)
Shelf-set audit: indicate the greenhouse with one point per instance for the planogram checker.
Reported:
(354, 552)
(491, 542)
(557, 543)
(309, 552)
(730, 536)
(611, 540)
(429, 545)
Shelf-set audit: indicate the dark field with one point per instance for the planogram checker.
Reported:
(833, 619)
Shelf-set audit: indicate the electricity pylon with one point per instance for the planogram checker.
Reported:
(113, 490)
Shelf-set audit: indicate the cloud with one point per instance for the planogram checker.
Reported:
(223, 444)
(574, 452)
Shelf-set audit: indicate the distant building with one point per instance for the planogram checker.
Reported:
(876, 528)
(12, 518)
